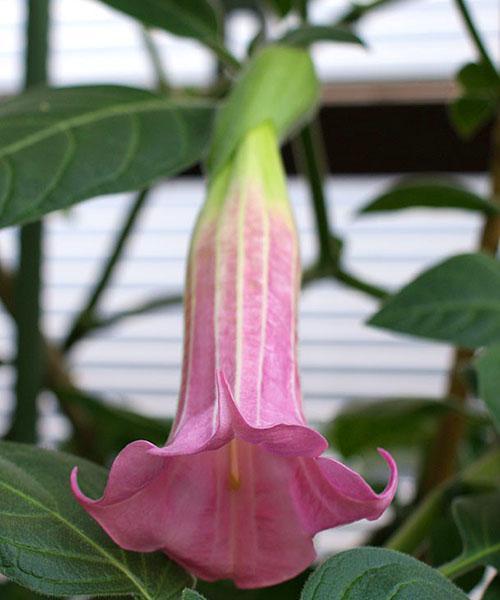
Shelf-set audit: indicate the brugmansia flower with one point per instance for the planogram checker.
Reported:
(240, 489)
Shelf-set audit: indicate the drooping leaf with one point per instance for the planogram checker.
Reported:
(189, 18)
(58, 147)
(429, 195)
(378, 574)
(478, 521)
(392, 423)
(480, 99)
(114, 427)
(306, 35)
(278, 85)
(50, 545)
(488, 370)
(456, 301)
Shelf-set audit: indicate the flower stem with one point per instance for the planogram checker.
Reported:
(30, 358)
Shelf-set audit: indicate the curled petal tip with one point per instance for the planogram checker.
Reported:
(390, 488)
(80, 496)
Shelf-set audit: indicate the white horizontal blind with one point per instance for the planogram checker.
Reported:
(409, 39)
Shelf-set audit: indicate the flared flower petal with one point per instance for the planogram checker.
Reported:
(240, 488)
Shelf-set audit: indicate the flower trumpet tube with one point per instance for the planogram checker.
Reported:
(240, 488)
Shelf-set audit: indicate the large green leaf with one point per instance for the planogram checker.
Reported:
(378, 574)
(488, 370)
(306, 35)
(392, 423)
(429, 195)
(478, 521)
(457, 301)
(279, 85)
(49, 544)
(58, 147)
(189, 18)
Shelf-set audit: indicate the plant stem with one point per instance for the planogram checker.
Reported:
(441, 464)
(473, 32)
(327, 264)
(162, 83)
(313, 166)
(225, 57)
(30, 359)
(57, 376)
(148, 306)
(82, 323)
(363, 286)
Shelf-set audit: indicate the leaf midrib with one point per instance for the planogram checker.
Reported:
(87, 118)
(84, 537)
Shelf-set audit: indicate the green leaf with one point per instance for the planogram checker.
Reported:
(456, 301)
(306, 35)
(278, 85)
(58, 147)
(445, 544)
(478, 77)
(189, 18)
(114, 427)
(392, 423)
(378, 574)
(469, 113)
(478, 521)
(480, 99)
(50, 545)
(188, 594)
(428, 195)
(488, 371)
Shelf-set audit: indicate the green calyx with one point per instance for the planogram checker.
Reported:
(279, 86)
(255, 163)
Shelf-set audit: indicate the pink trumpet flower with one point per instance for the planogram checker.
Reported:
(240, 489)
